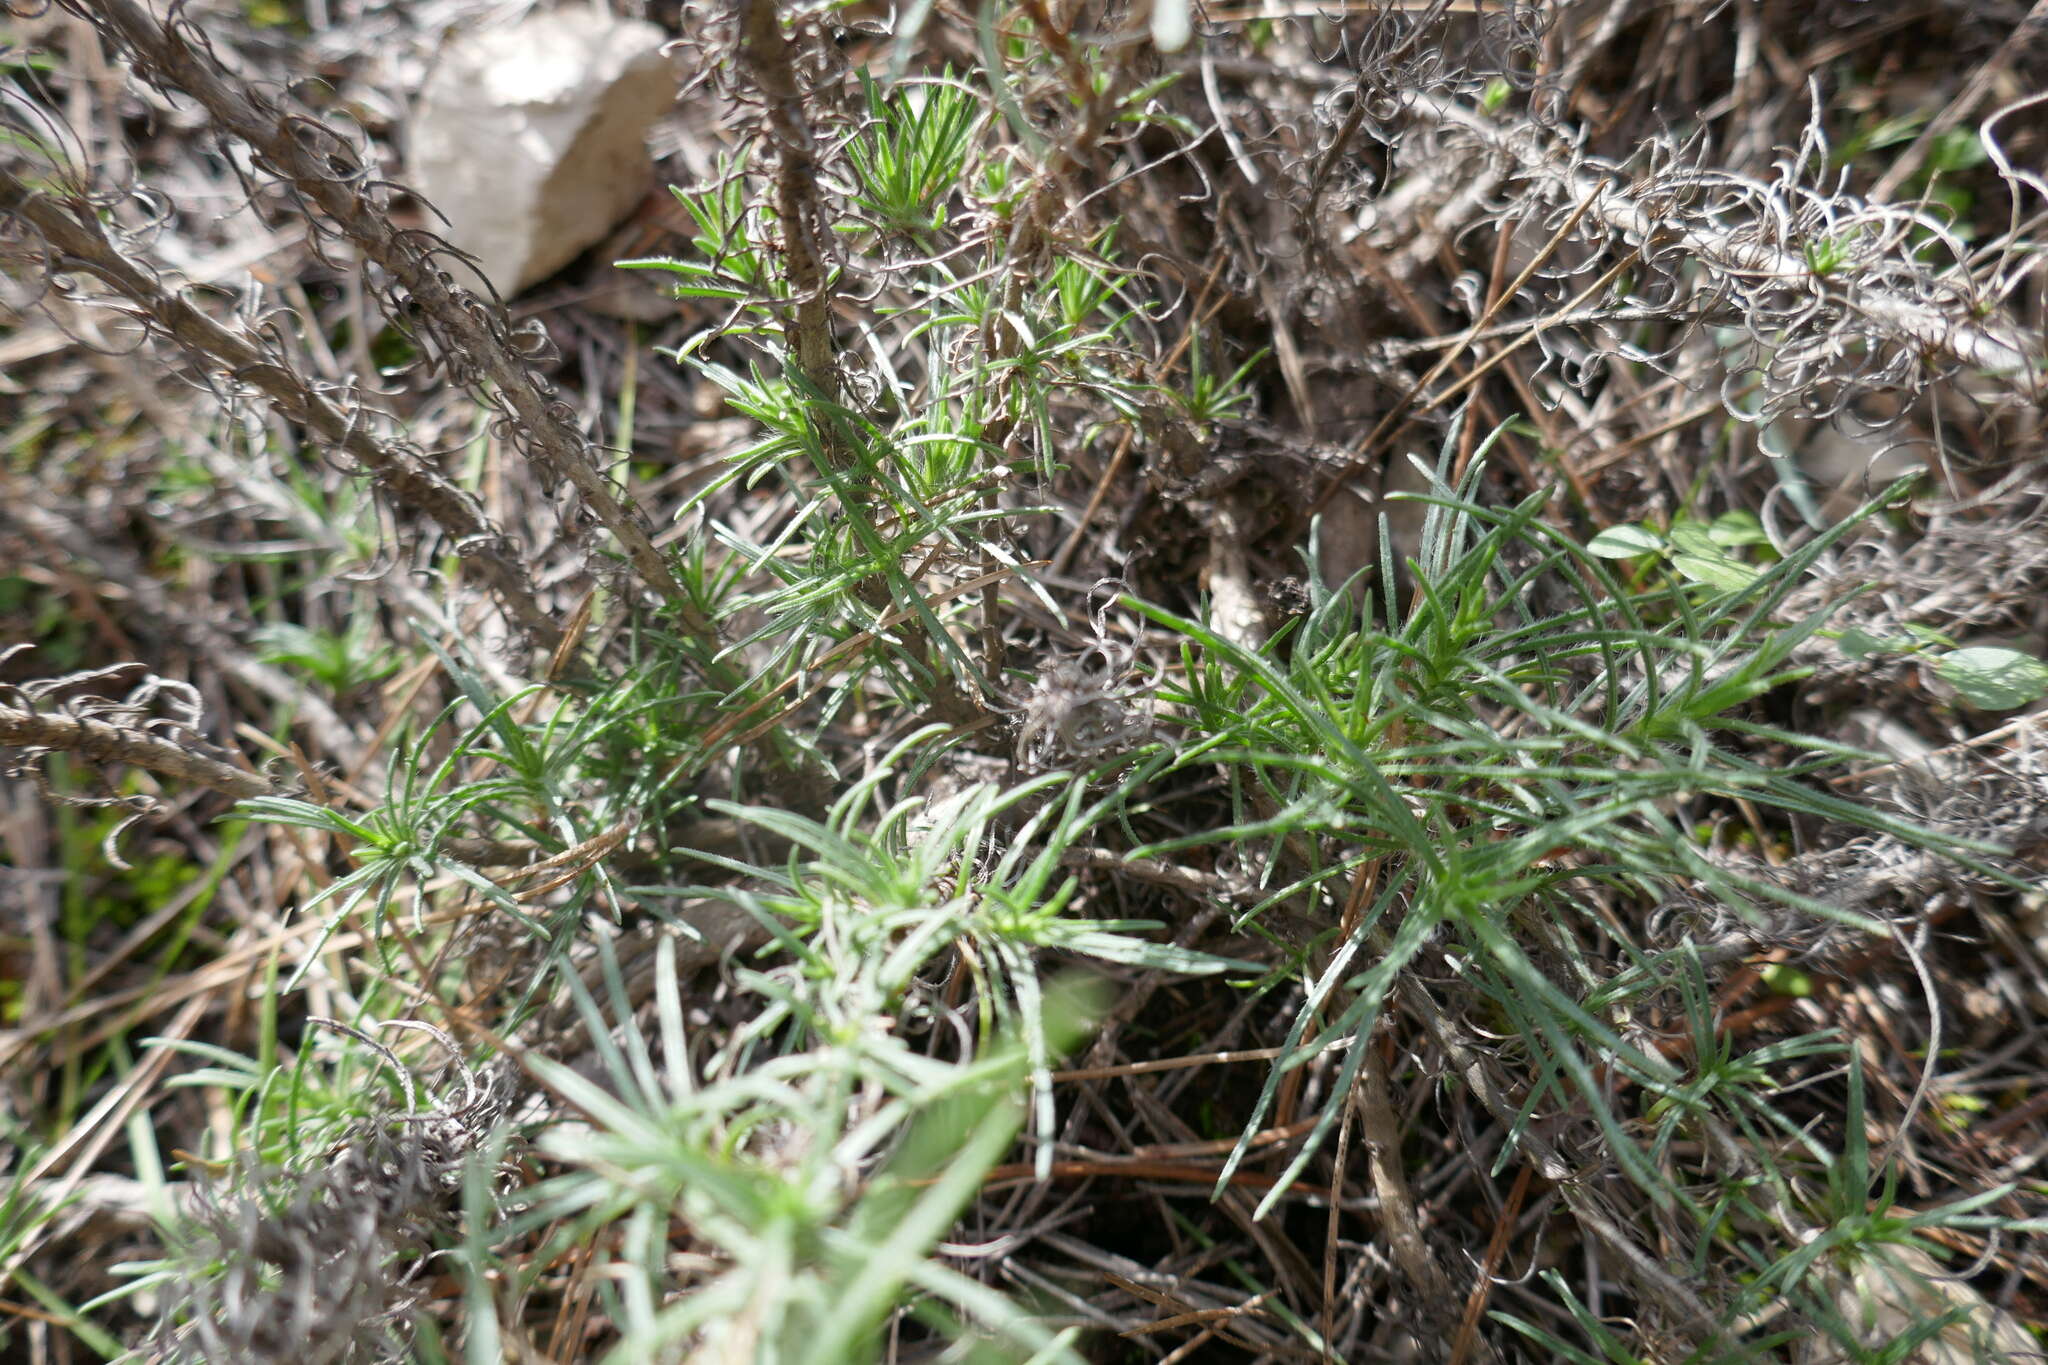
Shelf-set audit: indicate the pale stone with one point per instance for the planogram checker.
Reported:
(1893, 1289)
(531, 140)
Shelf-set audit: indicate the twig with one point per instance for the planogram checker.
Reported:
(72, 230)
(764, 53)
(472, 334)
(1727, 254)
(104, 742)
(1382, 1134)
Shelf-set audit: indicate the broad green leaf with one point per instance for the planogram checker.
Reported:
(1716, 571)
(1625, 542)
(1693, 538)
(1736, 529)
(1995, 678)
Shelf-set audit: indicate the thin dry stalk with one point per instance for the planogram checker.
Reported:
(71, 229)
(473, 338)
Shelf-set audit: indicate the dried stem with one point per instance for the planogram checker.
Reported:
(765, 56)
(469, 331)
(72, 230)
(106, 743)
(103, 741)
(1987, 346)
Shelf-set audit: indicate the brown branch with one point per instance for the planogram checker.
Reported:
(104, 742)
(72, 231)
(765, 55)
(1398, 1217)
(1992, 343)
(543, 428)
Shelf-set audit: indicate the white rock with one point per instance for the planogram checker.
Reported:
(531, 140)
(1893, 1289)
